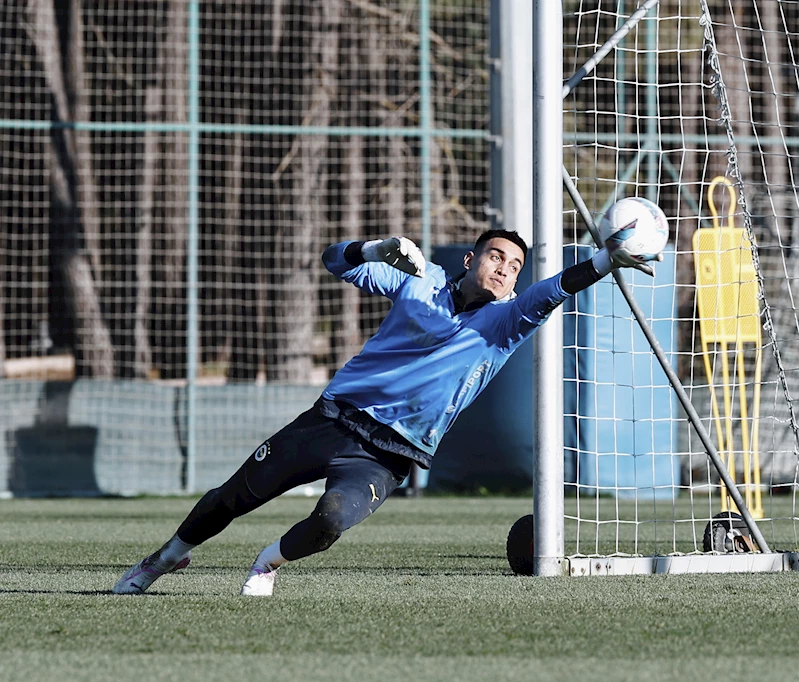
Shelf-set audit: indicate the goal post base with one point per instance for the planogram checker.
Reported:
(689, 563)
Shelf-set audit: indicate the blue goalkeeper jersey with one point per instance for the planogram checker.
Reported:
(426, 363)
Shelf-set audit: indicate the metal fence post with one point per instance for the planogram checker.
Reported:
(192, 316)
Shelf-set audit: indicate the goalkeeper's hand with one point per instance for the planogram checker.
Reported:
(611, 257)
(399, 252)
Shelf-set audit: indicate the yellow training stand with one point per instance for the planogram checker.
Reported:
(729, 315)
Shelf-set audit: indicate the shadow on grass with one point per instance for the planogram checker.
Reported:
(87, 593)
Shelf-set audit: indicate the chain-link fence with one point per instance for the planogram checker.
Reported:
(170, 172)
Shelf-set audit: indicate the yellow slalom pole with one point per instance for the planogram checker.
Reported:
(757, 512)
(747, 463)
(729, 316)
(729, 447)
(714, 404)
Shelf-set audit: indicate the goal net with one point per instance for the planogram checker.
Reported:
(695, 109)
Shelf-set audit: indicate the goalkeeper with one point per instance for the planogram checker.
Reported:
(439, 346)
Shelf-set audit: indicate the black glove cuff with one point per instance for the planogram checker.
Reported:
(352, 253)
(579, 277)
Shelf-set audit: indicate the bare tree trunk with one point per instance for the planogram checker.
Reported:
(3, 262)
(144, 236)
(347, 340)
(246, 216)
(298, 294)
(690, 71)
(776, 107)
(172, 333)
(231, 230)
(5, 231)
(443, 227)
(737, 81)
(71, 181)
(394, 188)
(396, 199)
(75, 76)
(779, 265)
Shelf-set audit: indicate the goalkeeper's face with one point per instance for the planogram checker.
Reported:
(492, 271)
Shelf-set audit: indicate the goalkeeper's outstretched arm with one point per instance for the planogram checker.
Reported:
(366, 264)
(532, 308)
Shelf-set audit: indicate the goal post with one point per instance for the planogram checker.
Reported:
(666, 99)
(547, 262)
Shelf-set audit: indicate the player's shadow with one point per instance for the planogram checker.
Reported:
(53, 457)
(87, 593)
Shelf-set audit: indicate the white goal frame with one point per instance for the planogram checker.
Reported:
(548, 525)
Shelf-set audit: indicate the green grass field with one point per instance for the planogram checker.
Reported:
(420, 591)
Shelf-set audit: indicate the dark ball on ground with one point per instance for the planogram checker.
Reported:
(728, 532)
(520, 546)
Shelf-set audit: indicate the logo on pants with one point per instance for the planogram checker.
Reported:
(262, 452)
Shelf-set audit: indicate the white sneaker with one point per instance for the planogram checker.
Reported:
(139, 577)
(260, 582)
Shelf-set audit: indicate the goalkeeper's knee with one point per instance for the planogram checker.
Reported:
(320, 530)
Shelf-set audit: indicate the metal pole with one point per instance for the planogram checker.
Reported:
(621, 104)
(547, 193)
(496, 150)
(425, 123)
(652, 145)
(192, 246)
(608, 45)
(265, 129)
(516, 94)
(426, 130)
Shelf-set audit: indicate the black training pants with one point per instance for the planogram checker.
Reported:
(359, 479)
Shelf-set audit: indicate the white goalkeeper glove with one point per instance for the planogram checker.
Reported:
(399, 252)
(611, 257)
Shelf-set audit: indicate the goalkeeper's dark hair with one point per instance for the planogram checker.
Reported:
(501, 234)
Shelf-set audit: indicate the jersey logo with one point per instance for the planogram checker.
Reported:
(468, 384)
(375, 498)
(419, 335)
(262, 452)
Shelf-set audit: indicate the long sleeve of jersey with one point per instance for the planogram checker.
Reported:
(426, 363)
(376, 278)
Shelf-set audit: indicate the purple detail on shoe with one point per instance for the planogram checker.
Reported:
(185, 561)
(145, 568)
(262, 571)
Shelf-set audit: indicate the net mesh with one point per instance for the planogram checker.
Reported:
(693, 110)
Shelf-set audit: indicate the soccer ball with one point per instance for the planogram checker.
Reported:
(520, 545)
(634, 230)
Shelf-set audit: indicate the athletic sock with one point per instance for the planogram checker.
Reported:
(173, 552)
(270, 557)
